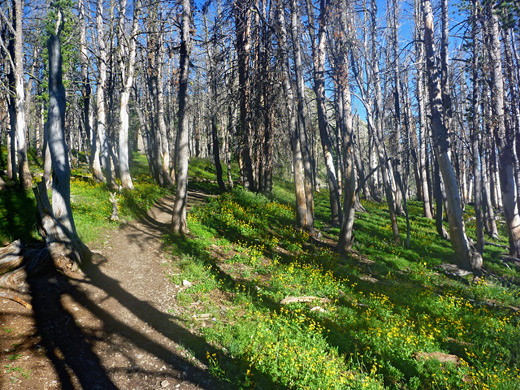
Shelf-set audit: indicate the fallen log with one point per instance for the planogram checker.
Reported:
(494, 244)
(510, 259)
(288, 300)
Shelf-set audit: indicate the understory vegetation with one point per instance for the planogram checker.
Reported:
(382, 317)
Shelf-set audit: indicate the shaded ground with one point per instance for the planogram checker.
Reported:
(115, 327)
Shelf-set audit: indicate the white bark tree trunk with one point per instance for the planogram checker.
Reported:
(102, 151)
(504, 138)
(18, 97)
(61, 207)
(127, 58)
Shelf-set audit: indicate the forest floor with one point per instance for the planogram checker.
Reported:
(248, 299)
(117, 326)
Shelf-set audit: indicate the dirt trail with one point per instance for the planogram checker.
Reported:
(115, 327)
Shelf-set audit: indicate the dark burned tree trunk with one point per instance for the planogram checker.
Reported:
(242, 11)
(213, 80)
(216, 153)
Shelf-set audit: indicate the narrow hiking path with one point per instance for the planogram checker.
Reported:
(115, 327)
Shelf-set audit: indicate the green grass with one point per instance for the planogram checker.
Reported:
(90, 203)
(377, 312)
(387, 307)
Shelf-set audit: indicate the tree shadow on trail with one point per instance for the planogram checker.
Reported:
(148, 228)
(65, 345)
(70, 349)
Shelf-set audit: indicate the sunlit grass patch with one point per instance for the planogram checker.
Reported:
(384, 308)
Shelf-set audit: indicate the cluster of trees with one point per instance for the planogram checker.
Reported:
(385, 101)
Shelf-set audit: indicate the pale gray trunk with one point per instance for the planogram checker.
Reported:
(504, 138)
(230, 131)
(11, 163)
(165, 148)
(384, 162)
(127, 58)
(318, 59)
(466, 255)
(475, 131)
(490, 220)
(302, 115)
(179, 223)
(18, 97)
(301, 204)
(47, 160)
(101, 151)
(61, 207)
(421, 103)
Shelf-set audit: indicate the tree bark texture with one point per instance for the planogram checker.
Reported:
(17, 98)
(504, 137)
(127, 67)
(179, 223)
(466, 255)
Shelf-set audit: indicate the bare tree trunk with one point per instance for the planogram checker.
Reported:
(242, 21)
(467, 256)
(17, 98)
(165, 148)
(127, 67)
(301, 204)
(318, 59)
(179, 225)
(213, 81)
(216, 153)
(302, 115)
(11, 153)
(61, 207)
(103, 149)
(490, 221)
(231, 129)
(504, 138)
(475, 133)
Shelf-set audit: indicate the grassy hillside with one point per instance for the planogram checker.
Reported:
(384, 317)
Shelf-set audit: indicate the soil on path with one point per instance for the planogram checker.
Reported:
(115, 327)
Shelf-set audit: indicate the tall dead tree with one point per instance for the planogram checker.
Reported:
(467, 256)
(503, 133)
(475, 131)
(127, 54)
(17, 96)
(213, 80)
(242, 13)
(318, 41)
(290, 101)
(302, 115)
(340, 60)
(179, 225)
